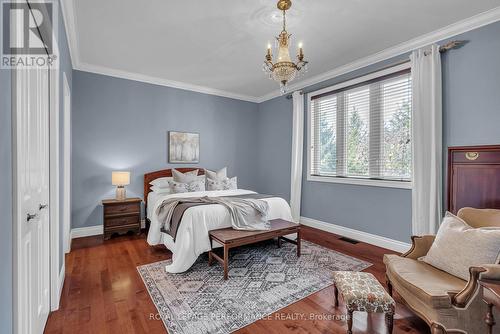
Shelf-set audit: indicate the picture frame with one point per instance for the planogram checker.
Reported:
(183, 147)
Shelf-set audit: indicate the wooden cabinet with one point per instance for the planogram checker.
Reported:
(473, 177)
(121, 216)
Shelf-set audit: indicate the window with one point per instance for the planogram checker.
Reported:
(361, 130)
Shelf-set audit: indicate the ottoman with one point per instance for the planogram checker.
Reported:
(362, 292)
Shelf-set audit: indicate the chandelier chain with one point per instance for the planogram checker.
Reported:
(284, 20)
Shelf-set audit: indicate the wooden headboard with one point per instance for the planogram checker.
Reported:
(473, 177)
(148, 177)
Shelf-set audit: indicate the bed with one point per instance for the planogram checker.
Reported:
(192, 236)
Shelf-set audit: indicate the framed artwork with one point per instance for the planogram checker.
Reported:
(183, 147)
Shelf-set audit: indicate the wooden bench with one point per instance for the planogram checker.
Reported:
(230, 238)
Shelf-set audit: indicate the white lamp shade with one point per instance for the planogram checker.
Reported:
(120, 178)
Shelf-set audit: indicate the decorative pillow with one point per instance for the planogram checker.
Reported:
(161, 190)
(179, 187)
(161, 182)
(216, 175)
(459, 246)
(184, 177)
(226, 184)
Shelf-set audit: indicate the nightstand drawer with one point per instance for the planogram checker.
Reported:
(117, 209)
(121, 221)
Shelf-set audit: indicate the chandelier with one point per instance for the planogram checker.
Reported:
(284, 70)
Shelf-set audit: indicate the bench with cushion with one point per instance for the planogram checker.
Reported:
(362, 292)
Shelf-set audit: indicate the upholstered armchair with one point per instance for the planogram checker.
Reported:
(447, 303)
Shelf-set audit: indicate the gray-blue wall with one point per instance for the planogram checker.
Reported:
(120, 124)
(471, 89)
(275, 142)
(471, 115)
(5, 203)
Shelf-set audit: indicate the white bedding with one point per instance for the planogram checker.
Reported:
(192, 236)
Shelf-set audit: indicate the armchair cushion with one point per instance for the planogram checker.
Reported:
(424, 282)
(458, 247)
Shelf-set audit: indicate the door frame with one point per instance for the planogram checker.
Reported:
(56, 275)
(66, 217)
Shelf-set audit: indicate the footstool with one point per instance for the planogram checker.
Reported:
(362, 292)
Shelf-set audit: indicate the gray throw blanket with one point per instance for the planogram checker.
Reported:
(246, 213)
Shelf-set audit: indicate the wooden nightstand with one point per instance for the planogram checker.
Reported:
(121, 216)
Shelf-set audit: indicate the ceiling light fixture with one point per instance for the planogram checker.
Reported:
(284, 69)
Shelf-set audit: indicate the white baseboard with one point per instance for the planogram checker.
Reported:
(60, 284)
(62, 276)
(89, 231)
(81, 232)
(66, 251)
(369, 238)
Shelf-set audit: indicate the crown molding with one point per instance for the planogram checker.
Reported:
(451, 30)
(160, 81)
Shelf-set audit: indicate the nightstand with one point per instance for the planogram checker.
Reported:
(121, 216)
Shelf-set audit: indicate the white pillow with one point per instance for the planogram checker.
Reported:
(161, 182)
(161, 190)
(184, 177)
(179, 187)
(459, 246)
(226, 184)
(216, 175)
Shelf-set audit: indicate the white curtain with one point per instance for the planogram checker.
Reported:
(297, 149)
(427, 140)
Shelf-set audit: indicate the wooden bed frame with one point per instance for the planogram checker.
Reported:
(148, 177)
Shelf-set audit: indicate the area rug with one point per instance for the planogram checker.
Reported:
(262, 279)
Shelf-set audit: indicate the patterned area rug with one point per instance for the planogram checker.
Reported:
(262, 279)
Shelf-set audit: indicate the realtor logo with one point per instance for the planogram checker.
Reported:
(28, 34)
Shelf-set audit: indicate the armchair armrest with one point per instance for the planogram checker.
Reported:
(487, 271)
(420, 246)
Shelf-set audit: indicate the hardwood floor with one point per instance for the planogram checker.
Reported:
(103, 293)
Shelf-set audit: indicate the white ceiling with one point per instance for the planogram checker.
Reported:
(218, 46)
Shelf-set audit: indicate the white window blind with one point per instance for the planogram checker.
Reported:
(363, 130)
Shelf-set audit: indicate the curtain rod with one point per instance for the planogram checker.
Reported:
(456, 44)
(452, 45)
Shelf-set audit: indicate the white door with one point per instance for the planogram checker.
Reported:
(31, 115)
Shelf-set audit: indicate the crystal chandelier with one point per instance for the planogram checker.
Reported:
(284, 69)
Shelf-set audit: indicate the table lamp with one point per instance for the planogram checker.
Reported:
(120, 180)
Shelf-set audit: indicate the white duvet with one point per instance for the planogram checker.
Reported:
(192, 235)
